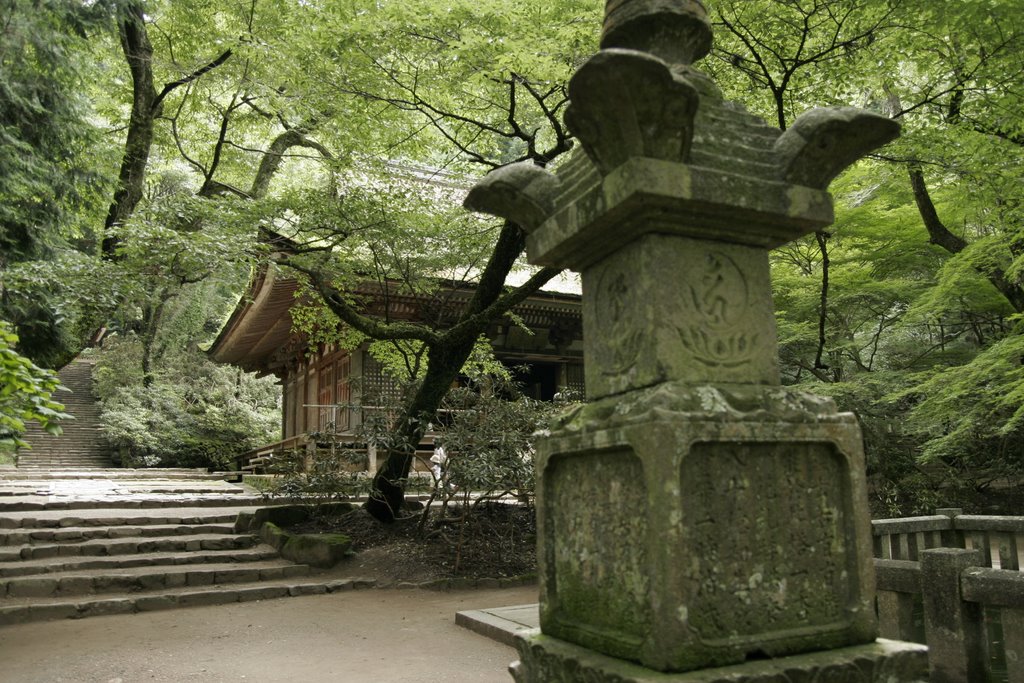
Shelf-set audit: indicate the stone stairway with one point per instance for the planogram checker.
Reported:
(77, 546)
(80, 446)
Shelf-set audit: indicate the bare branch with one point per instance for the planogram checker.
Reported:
(169, 87)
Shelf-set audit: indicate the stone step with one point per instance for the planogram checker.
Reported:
(18, 567)
(55, 486)
(66, 441)
(73, 534)
(113, 474)
(65, 455)
(77, 466)
(80, 420)
(57, 445)
(97, 458)
(42, 503)
(62, 454)
(19, 611)
(133, 579)
(80, 446)
(80, 442)
(83, 542)
(127, 546)
(89, 426)
(117, 516)
(51, 465)
(143, 487)
(60, 451)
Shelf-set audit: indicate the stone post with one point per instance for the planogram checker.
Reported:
(952, 537)
(1013, 642)
(895, 615)
(955, 630)
(694, 513)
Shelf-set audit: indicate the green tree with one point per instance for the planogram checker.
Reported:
(25, 394)
(477, 83)
(49, 183)
(183, 410)
(917, 285)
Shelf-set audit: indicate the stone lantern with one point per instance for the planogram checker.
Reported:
(694, 513)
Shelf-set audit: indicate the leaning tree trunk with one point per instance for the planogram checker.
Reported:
(445, 361)
(445, 358)
(939, 234)
(447, 352)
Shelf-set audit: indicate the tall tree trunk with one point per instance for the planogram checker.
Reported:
(151, 317)
(138, 51)
(146, 106)
(822, 238)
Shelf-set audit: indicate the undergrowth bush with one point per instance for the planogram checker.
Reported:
(194, 414)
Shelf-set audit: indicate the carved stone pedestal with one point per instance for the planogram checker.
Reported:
(543, 658)
(687, 526)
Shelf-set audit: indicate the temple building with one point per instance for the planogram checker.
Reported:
(328, 388)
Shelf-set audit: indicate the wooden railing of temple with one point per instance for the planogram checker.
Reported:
(962, 574)
(339, 424)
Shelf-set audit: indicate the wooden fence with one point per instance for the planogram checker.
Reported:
(960, 569)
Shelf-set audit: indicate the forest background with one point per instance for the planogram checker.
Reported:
(152, 152)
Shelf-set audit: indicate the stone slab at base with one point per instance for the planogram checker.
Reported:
(543, 659)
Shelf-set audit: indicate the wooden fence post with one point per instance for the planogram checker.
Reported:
(955, 630)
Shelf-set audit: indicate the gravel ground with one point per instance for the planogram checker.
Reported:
(399, 636)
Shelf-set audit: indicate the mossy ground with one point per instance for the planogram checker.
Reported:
(488, 541)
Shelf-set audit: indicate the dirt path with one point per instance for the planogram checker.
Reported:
(399, 636)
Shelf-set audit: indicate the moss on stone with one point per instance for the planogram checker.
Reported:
(318, 550)
(273, 535)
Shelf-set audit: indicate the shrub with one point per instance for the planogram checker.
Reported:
(25, 394)
(196, 413)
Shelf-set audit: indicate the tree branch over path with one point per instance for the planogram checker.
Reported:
(169, 87)
(274, 155)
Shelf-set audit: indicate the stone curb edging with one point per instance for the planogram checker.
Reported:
(459, 583)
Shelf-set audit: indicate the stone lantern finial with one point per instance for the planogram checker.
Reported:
(677, 31)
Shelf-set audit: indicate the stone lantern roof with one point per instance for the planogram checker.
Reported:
(659, 139)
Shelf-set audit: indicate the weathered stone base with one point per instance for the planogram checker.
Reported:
(685, 528)
(543, 659)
